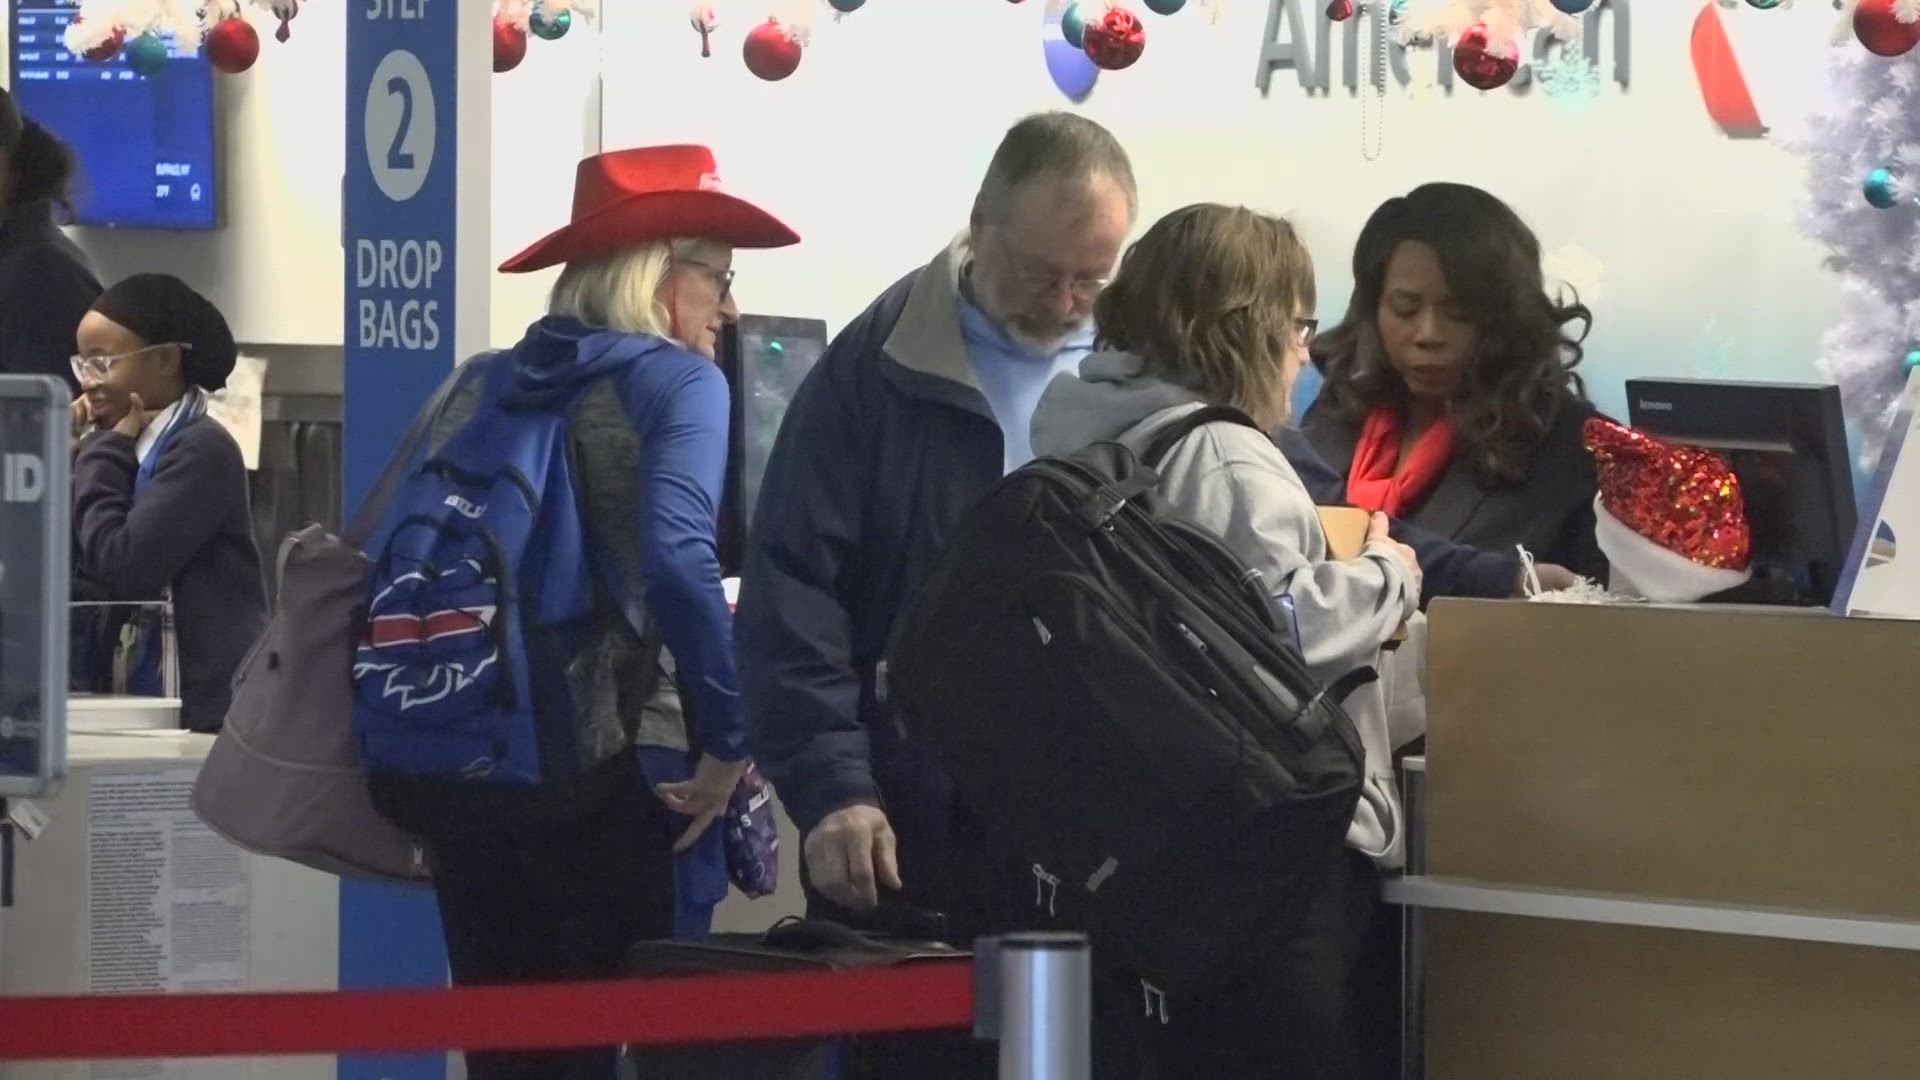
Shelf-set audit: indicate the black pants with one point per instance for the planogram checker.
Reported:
(529, 902)
(1309, 1001)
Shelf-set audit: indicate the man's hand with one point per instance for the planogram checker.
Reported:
(850, 854)
(1378, 532)
(703, 798)
(1552, 578)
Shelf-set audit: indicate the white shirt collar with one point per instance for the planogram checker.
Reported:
(144, 445)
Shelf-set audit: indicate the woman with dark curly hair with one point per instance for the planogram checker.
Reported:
(1450, 397)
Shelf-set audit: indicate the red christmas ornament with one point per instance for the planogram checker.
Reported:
(232, 45)
(1340, 10)
(1881, 31)
(1479, 65)
(1683, 498)
(509, 45)
(1115, 40)
(771, 51)
(107, 49)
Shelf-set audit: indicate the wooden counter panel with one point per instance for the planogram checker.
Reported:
(1513, 998)
(1690, 754)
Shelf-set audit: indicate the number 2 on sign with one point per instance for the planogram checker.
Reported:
(398, 158)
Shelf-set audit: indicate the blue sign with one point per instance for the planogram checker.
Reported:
(400, 235)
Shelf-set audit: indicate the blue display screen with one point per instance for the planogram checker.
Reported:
(145, 145)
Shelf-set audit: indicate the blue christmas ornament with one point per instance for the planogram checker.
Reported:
(1073, 26)
(1165, 7)
(147, 54)
(549, 27)
(1572, 7)
(845, 6)
(1880, 189)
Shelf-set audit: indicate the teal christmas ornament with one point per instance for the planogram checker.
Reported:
(1879, 187)
(549, 27)
(1165, 7)
(1913, 360)
(147, 54)
(1765, 5)
(1073, 26)
(846, 6)
(1572, 7)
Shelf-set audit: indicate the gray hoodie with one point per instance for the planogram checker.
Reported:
(1233, 481)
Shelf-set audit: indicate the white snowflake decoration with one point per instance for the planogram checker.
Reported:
(1569, 77)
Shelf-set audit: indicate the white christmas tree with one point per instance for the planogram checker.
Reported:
(1871, 121)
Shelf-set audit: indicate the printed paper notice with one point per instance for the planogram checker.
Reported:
(167, 897)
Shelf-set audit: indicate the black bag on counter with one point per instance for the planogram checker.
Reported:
(791, 945)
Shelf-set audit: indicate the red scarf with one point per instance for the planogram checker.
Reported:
(1379, 480)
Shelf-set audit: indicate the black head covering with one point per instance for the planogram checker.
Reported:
(162, 310)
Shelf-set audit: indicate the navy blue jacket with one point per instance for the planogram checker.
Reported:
(888, 442)
(46, 288)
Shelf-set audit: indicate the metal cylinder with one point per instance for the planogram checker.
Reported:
(1046, 1007)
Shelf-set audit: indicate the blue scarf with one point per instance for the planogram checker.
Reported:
(192, 406)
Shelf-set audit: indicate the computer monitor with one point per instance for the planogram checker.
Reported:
(1788, 446)
(765, 357)
(145, 143)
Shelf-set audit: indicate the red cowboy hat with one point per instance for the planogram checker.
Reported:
(628, 197)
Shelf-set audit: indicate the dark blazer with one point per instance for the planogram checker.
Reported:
(45, 289)
(1549, 512)
(190, 530)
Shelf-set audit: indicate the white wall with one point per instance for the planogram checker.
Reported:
(1684, 241)
(874, 147)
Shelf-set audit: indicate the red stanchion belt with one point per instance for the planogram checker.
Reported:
(724, 1008)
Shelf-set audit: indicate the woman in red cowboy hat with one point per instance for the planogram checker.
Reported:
(626, 353)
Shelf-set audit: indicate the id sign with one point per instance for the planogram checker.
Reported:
(416, 233)
(34, 583)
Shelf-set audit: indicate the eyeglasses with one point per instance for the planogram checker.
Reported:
(721, 275)
(1304, 331)
(99, 367)
(1035, 275)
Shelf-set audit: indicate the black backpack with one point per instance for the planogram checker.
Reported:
(1114, 693)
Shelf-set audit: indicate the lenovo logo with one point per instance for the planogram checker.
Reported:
(1655, 406)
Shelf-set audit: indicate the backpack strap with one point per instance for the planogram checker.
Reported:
(374, 504)
(1170, 436)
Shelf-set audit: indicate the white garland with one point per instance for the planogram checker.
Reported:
(1871, 120)
(187, 20)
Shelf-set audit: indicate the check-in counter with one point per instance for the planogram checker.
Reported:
(1667, 842)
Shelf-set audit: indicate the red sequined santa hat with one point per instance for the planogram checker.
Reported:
(1669, 518)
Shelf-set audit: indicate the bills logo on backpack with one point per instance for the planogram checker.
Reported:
(480, 599)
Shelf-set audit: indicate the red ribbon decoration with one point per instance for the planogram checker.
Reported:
(1722, 85)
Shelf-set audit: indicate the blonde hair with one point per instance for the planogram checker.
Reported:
(621, 290)
(1208, 298)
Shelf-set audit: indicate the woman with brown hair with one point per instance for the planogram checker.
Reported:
(1451, 400)
(1211, 307)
